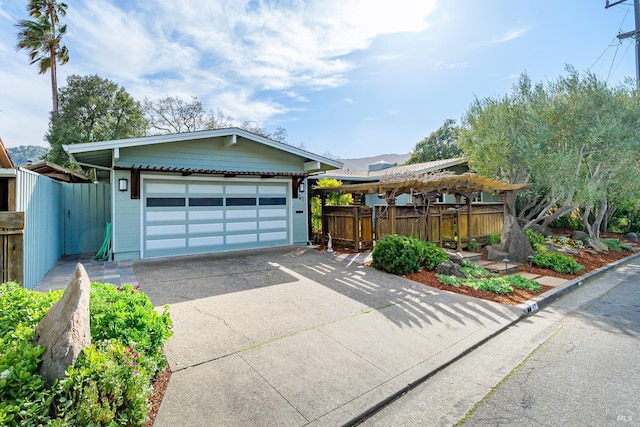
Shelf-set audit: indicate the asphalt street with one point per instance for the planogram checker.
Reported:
(574, 363)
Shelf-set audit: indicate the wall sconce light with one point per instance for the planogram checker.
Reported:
(301, 187)
(123, 184)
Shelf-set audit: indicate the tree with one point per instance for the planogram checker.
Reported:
(333, 199)
(175, 115)
(440, 144)
(92, 109)
(42, 38)
(574, 140)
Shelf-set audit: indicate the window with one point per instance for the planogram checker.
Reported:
(205, 201)
(157, 202)
(273, 201)
(241, 201)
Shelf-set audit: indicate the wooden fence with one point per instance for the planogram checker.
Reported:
(442, 223)
(11, 246)
(349, 226)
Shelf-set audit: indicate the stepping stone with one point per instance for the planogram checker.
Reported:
(482, 262)
(502, 268)
(458, 255)
(551, 281)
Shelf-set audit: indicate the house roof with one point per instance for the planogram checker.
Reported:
(56, 172)
(5, 158)
(369, 176)
(100, 154)
(465, 183)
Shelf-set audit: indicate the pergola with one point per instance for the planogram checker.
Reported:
(461, 218)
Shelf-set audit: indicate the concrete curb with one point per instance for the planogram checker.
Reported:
(527, 308)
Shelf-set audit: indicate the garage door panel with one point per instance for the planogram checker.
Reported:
(201, 217)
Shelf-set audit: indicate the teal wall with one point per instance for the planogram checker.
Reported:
(41, 199)
(245, 155)
(210, 154)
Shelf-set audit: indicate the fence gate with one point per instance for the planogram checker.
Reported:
(87, 209)
(11, 241)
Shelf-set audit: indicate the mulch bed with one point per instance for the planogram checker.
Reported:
(160, 384)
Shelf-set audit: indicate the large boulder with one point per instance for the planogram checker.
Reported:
(496, 252)
(579, 235)
(64, 330)
(450, 268)
(632, 237)
(515, 242)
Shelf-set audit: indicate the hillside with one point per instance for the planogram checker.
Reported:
(22, 154)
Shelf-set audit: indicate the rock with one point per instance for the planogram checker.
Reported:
(561, 249)
(516, 243)
(496, 252)
(64, 330)
(632, 237)
(578, 235)
(450, 268)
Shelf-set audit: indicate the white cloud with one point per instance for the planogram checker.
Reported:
(512, 34)
(348, 100)
(442, 65)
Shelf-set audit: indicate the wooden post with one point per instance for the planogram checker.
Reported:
(357, 199)
(356, 228)
(11, 238)
(459, 245)
(391, 202)
(469, 216)
(323, 219)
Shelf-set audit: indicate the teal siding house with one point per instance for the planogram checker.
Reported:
(203, 192)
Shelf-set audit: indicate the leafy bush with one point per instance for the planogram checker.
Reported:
(540, 248)
(397, 255)
(125, 314)
(471, 269)
(109, 384)
(493, 239)
(473, 245)
(616, 245)
(429, 254)
(557, 262)
(534, 237)
(518, 281)
(24, 398)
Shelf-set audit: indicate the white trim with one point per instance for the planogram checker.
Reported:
(312, 166)
(230, 140)
(116, 154)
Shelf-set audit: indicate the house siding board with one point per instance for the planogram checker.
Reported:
(126, 230)
(300, 228)
(211, 154)
(41, 199)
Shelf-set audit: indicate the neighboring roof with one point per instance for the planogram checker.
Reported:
(364, 175)
(57, 172)
(100, 153)
(466, 183)
(5, 158)
(362, 163)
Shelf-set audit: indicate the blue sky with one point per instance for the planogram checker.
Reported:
(352, 78)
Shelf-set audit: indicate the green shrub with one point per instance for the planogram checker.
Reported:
(557, 262)
(493, 239)
(471, 269)
(109, 385)
(429, 254)
(534, 237)
(540, 248)
(518, 281)
(616, 245)
(126, 314)
(473, 245)
(397, 255)
(497, 285)
(24, 398)
(111, 381)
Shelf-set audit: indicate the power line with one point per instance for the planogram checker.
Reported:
(635, 34)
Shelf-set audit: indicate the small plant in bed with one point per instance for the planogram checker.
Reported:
(478, 277)
(557, 262)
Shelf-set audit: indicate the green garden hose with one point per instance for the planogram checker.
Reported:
(105, 249)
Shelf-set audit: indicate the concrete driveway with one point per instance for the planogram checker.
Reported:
(293, 336)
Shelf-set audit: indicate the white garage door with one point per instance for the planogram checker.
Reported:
(191, 217)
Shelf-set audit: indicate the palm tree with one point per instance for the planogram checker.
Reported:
(42, 38)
